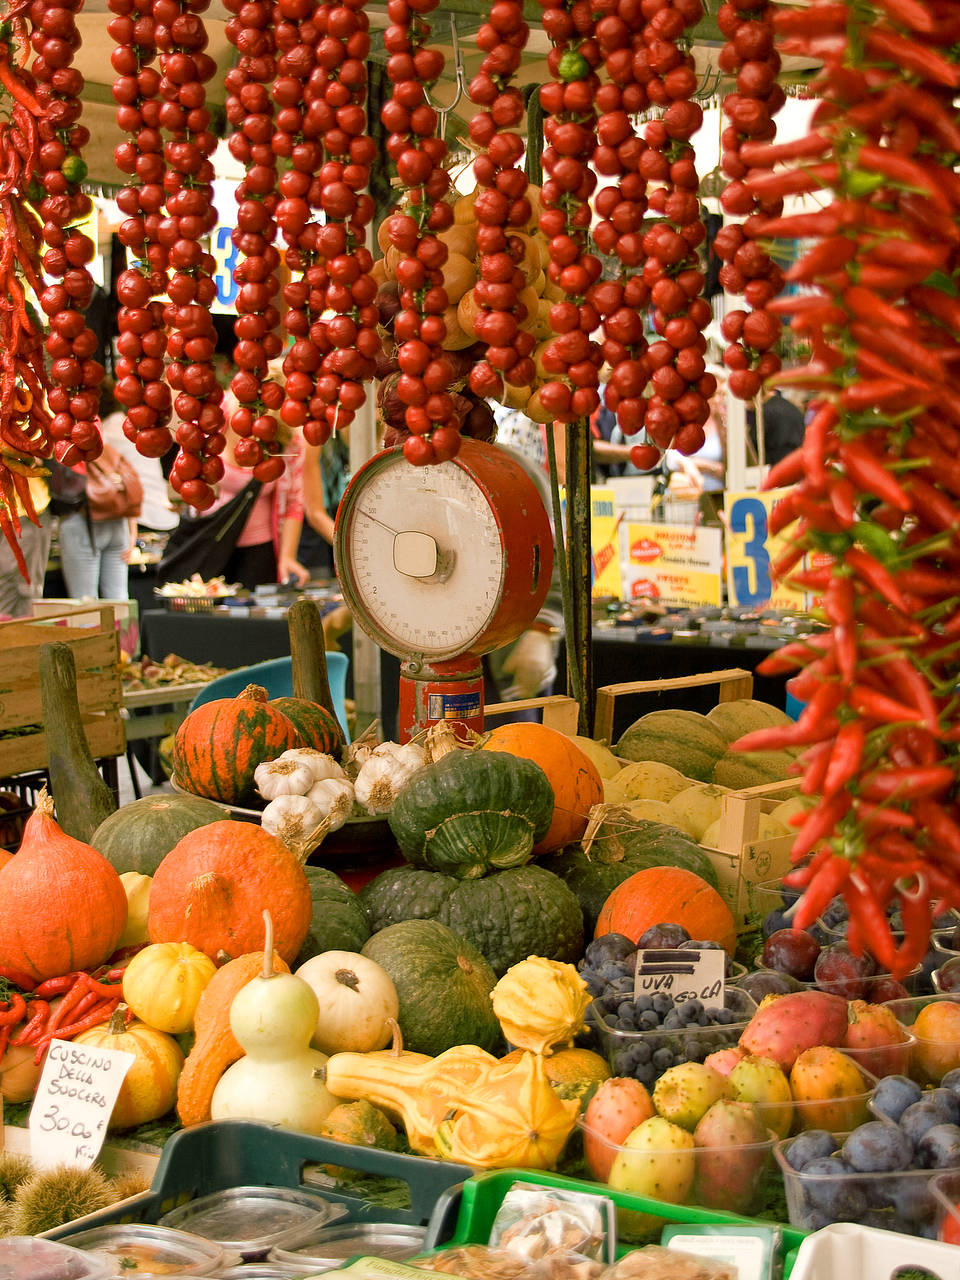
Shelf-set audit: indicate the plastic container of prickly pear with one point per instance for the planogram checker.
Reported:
(629, 1052)
(836, 1113)
(936, 1036)
(734, 1177)
(136, 1248)
(903, 1202)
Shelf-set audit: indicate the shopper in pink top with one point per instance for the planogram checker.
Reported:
(266, 549)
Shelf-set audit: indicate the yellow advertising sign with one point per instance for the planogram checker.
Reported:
(675, 564)
(751, 550)
(605, 544)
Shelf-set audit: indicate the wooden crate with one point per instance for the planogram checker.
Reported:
(731, 684)
(559, 712)
(99, 691)
(742, 858)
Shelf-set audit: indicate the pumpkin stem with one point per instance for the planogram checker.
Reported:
(396, 1047)
(464, 964)
(44, 803)
(254, 693)
(267, 971)
(347, 978)
(118, 1020)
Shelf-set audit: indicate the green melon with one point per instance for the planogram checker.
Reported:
(742, 769)
(138, 836)
(744, 715)
(443, 984)
(685, 740)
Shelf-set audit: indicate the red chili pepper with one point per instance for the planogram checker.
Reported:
(872, 921)
(882, 42)
(877, 576)
(812, 20)
(819, 825)
(18, 90)
(892, 623)
(816, 580)
(787, 471)
(867, 305)
(827, 255)
(105, 990)
(938, 304)
(802, 226)
(101, 1012)
(70, 1000)
(791, 656)
(17, 979)
(830, 877)
(909, 13)
(874, 705)
(877, 393)
(815, 761)
(943, 830)
(56, 986)
(895, 345)
(775, 184)
(38, 1012)
(16, 1008)
(845, 758)
(915, 912)
(843, 499)
(838, 604)
(877, 818)
(817, 442)
(784, 512)
(764, 155)
(908, 784)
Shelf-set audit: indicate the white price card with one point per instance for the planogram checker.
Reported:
(73, 1102)
(682, 974)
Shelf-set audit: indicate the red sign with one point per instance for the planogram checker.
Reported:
(644, 587)
(645, 551)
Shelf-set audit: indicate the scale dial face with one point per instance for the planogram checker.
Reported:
(420, 557)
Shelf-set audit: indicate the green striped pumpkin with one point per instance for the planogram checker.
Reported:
(316, 726)
(220, 744)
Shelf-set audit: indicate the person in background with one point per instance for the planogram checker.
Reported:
(15, 592)
(157, 513)
(266, 549)
(95, 554)
(782, 427)
(326, 473)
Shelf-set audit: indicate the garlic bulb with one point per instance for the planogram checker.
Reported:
(411, 755)
(282, 778)
(319, 763)
(291, 819)
(379, 780)
(334, 800)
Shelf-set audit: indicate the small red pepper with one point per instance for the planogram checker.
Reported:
(16, 1008)
(876, 706)
(838, 604)
(846, 755)
(819, 824)
(829, 879)
(908, 784)
(884, 43)
(873, 922)
(876, 576)
(56, 986)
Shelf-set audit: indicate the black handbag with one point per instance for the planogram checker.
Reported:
(68, 489)
(203, 544)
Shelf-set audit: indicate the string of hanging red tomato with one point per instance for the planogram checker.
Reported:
(876, 482)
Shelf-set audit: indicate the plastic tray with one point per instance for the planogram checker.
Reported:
(27, 1258)
(232, 1153)
(334, 1245)
(930, 1059)
(250, 1221)
(464, 1215)
(846, 1251)
(118, 1244)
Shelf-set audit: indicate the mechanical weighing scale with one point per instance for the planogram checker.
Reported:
(440, 565)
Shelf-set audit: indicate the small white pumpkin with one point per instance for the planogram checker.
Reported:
(282, 778)
(357, 1001)
(320, 764)
(334, 798)
(291, 819)
(137, 889)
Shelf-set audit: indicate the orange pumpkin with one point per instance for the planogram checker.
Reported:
(213, 886)
(574, 778)
(668, 895)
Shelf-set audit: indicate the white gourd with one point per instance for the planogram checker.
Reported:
(334, 799)
(320, 764)
(291, 819)
(357, 1002)
(278, 1082)
(379, 780)
(282, 778)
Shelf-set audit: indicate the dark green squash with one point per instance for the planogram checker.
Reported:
(443, 983)
(141, 834)
(404, 893)
(472, 812)
(619, 849)
(338, 922)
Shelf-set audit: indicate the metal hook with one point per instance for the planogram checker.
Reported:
(459, 81)
(710, 84)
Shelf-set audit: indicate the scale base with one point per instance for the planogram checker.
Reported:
(446, 693)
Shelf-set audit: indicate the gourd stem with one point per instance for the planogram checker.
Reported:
(267, 971)
(118, 1020)
(44, 803)
(396, 1047)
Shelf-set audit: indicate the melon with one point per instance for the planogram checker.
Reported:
(743, 715)
(644, 780)
(741, 769)
(685, 740)
(657, 811)
(786, 810)
(698, 807)
(605, 762)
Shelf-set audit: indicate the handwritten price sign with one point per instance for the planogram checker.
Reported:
(74, 1099)
(685, 974)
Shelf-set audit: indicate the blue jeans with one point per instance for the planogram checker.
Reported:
(94, 569)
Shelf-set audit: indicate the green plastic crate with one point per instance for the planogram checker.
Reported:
(238, 1153)
(468, 1211)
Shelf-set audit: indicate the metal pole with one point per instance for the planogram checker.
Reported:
(579, 565)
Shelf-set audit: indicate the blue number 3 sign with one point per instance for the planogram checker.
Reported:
(227, 288)
(749, 517)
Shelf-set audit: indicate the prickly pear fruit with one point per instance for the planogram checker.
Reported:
(656, 1160)
(615, 1110)
(876, 1040)
(724, 1060)
(783, 1028)
(937, 1049)
(683, 1093)
(733, 1148)
(832, 1087)
(760, 1081)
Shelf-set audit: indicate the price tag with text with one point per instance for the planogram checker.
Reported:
(73, 1102)
(682, 974)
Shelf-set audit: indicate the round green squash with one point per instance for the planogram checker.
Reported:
(472, 812)
(443, 983)
(685, 740)
(315, 725)
(404, 893)
(138, 836)
(338, 922)
(522, 912)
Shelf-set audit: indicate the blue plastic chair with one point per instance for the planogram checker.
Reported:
(276, 676)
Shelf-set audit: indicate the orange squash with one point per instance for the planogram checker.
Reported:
(662, 895)
(213, 886)
(576, 783)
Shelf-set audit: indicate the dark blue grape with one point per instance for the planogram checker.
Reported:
(646, 1074)
(643, 1052)
(878, 1147)
(648, 1020)
(673, 1020)
(662, 1058)
(815, 1144)
(643, 1003)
